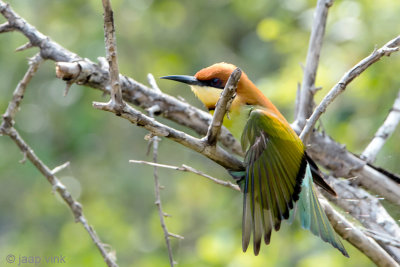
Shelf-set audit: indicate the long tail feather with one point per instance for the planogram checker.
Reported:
(313, 217)
(246, 219)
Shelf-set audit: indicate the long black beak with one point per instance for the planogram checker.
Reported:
(191, 80)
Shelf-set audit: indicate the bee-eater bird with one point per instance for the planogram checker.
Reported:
(279, 174)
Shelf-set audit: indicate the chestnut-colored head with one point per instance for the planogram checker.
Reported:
(208, 83)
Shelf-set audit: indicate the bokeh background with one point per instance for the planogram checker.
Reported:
(267, 39)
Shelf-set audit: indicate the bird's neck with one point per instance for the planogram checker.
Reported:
(249, 94)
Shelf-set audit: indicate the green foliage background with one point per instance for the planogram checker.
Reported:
(267, 39)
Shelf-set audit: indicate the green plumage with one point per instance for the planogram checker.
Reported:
(276, 164)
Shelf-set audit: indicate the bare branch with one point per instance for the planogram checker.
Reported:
(24, 47)
(155, 140)
(60, 168)
(386, 50)
(305, 104)
(222, 107)
(19, 91)
(111, 52)
(153, 83)
(383, 133)
(186, 168)
(176, 236)
(6, 27)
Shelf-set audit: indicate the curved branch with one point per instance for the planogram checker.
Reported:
(383, 133)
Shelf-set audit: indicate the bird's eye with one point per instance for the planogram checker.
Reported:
(215, 82)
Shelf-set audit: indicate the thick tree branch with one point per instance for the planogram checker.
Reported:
(368, 211)
(386, 50)
(305, 103)
(383, 133)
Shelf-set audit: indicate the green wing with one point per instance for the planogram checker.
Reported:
(275, 165)
(313, 217)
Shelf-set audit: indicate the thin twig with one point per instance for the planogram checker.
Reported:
(111, 52)
(386, 50)
(383, 133)
(24, 47)
(57, 186)
(305, 103)
(167, 235)
(222, 107)
(19, 91)
(154, 140)
(186, 168)
(6, 27)
(153, 83)
(60, 168)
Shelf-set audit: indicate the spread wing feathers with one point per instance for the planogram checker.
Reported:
(313, 217)
(275, 165)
